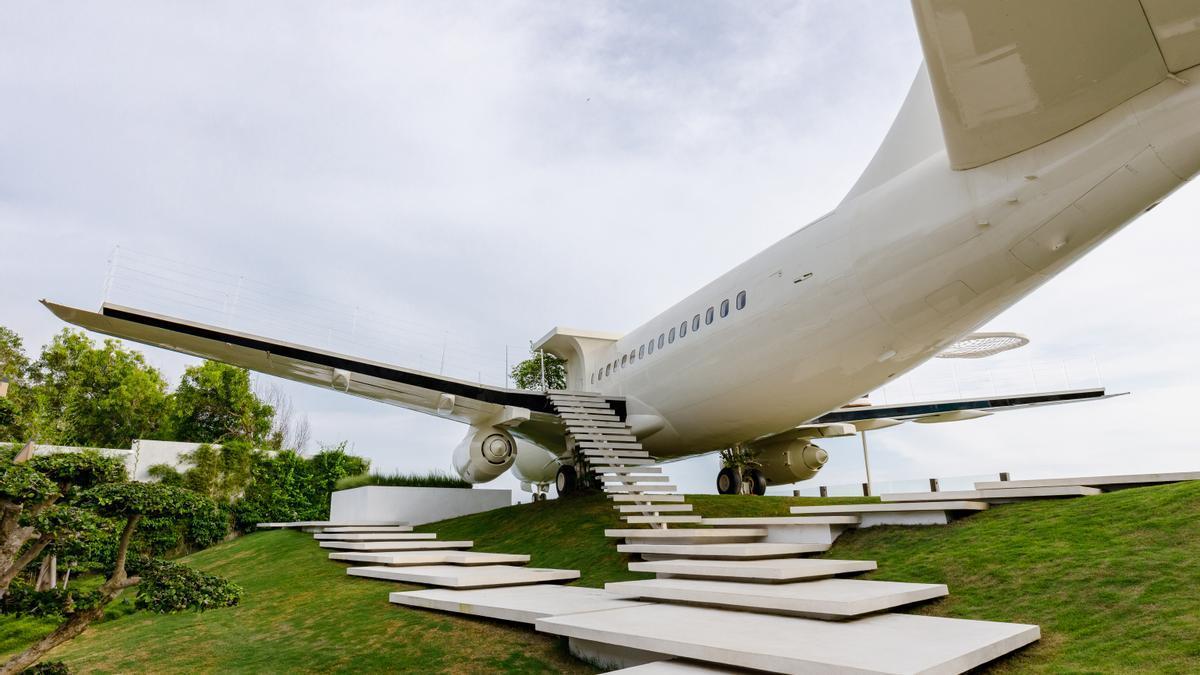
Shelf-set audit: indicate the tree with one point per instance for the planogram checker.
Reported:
(215, 403)
(528, 373)
(129, 502)
(102, 396)
(15, 404)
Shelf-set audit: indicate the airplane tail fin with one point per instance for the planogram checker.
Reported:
(1007, 76)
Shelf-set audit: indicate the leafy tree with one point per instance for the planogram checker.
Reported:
(102, 396)
(15, 406)
(169, 589)
(286, 486)
(528, 373)
(215, 403)
(13, 361)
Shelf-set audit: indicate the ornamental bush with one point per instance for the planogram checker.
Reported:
(170, 587)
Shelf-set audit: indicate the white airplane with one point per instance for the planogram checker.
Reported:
(1033, 131)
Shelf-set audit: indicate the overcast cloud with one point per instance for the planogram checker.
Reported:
(481, 172)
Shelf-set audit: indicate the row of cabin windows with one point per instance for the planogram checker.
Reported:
(667, 338)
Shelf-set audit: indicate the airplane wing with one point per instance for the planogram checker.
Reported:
(868, 417)
(460, 400)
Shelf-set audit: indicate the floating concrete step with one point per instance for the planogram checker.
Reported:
(646, 498)
(630, 479)
(821, 599)
(909, 513)
(426, 545)
(597, 424)
(732, 551)
(456, 576)
(674, 667)
(992, 495)
(575, 412)
(525, 604)
(325, 523)
(640, 520)
(884, 643)
(599, 465)
(689, 534)
(444, 557)
(606, 453)
(632, 489)
(612, 434)
(373, 536)
(368, 528)
(773, 521)
(769, 571)
(659, 508)
(1107, 482)
(628, 448)
(625, 470)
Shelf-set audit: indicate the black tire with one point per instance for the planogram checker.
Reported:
(566, 482)
(729, 481)
(758, 482)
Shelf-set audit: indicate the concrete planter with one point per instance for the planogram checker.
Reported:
(412, 505)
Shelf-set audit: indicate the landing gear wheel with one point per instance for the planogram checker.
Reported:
(728, 481)
(566, 482)
(757, 481)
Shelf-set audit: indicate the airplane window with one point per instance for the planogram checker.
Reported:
(608, 369)
(593, 378)
(632, 355)
(642, 352)
(661, 338)
(741, 300)
(624, 361)
(683, 329)
(708, 316)
(671, 336)
(650, 347)
(724, 308)
(696, 323)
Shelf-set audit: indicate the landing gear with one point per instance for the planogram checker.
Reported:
(729, 481)
(756, 482)
(567, 480)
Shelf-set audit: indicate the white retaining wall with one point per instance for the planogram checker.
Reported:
(412, 505)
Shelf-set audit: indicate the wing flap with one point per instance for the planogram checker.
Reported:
(879, 416)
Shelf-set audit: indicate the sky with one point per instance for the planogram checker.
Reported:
(435, 184)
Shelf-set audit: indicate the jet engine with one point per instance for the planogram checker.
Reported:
(484, 454)
(790, 461)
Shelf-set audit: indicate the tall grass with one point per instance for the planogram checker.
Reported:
(439, 479)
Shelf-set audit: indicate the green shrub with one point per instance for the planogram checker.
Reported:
(288, 487)
(47, 668)
(439, 479)
(171, 587)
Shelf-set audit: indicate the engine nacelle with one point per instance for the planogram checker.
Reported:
(484, 454)
(790, 461)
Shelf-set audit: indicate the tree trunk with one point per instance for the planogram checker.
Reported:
(79, 621)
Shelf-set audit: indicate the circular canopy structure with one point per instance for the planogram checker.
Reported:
(983, 345)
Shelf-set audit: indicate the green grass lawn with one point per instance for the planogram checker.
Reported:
(1113, 580)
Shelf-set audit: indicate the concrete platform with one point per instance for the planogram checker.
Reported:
(794, 529)
(630, 469)
(424, 545)
(910, 513)
(369, 528)
(524, 604)
(692, 533)
(646, 498)
(674, 667)
(885, 643)
(992, 496)
(627, 479)
(632, 489)
(770, 571)
(821, 599)
(770, 521)
(454, 576)
(325, 523)
(1107, 482)
(659, 508)
(373, 536)
(633, 520)
(722, 551)
(443, 557)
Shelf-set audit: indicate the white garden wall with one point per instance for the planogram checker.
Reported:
(412, 505)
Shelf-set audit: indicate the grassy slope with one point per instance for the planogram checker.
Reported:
(1113, 580)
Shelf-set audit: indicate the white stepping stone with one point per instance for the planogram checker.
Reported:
(688, 535)
(722, 551)
(632, 489)
(763, 571)
(822, 599)
(661, 519)
(368, 528)
(658, 508)
(673, 667)
(454, 576)
(646, 498)
(1111, 482)
(993, 495)
(628, 470)
(525, 604)
(325, 523)
(856, 509)
(628, 479)
(373, 536)
(772, 521)
(395, 545)
(448, 557)
(884, 643)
